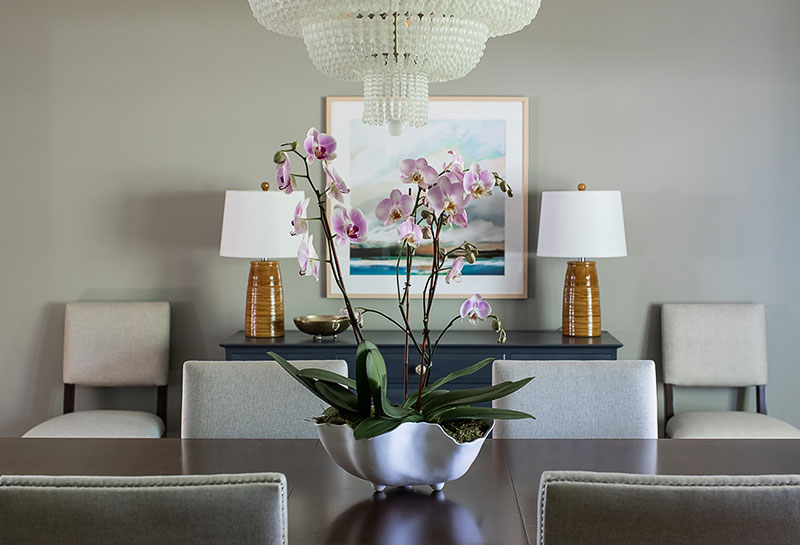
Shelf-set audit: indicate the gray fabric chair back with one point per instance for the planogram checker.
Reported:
(583, 508)
(116, 344)
(249, 399)
(580, 399)
(245, 509)
(719, 344)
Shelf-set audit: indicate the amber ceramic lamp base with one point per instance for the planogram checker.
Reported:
(264, 308)
(581, 309)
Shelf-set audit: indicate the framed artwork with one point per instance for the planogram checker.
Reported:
(492, 131)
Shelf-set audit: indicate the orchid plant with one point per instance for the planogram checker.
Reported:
(434, 199)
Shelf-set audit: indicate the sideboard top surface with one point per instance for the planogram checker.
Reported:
(459, 337)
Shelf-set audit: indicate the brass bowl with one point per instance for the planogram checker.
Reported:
(322, 325)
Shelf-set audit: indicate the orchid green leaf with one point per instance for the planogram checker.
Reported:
(474, 395)
(338, 396)
(374, 426)
(377, 380)
(449, 378)
(430, 398)
(458, 374)
(460, 413)
(307, 383)
(362, 380)
(376, 373)
(327, 376)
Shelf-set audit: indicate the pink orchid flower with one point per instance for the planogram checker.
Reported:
(475, 309)
(478, 183)
(337, 189)
(456, 165)
(397, 207)
(308, 258)
(417, 172)
(454, 274)
(448, 197)
(410, 233)
(286, 181)
(300, 223)
(460, 219)
(319, 146)
(349, 225)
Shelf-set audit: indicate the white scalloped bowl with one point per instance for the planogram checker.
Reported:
(414, 453)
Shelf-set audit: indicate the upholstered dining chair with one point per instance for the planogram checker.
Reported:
(724, 345)
(246, 509)
(580, 399)
(249, 400)
(112, 344)
(583, 508)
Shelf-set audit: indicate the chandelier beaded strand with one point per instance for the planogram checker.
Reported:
(396, 48)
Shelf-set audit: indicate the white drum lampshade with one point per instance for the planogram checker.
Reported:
(256, 225)
(581, 224)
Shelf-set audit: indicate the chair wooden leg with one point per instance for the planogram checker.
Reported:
(669, 405)
(761, 398)
(161, 406)
(69, 398)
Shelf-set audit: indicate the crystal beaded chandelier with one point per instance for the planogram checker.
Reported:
(396, 47)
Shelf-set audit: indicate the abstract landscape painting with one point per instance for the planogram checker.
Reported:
(488, 131)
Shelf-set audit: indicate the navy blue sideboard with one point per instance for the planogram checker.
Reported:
(458, 349)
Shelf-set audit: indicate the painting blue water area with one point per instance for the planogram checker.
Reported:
(386, 266)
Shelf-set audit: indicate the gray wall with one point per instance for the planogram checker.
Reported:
(122, 123)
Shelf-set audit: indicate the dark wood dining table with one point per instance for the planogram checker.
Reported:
(494, 503)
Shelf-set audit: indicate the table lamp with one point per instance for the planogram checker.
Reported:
(581, 224)
(256, 225)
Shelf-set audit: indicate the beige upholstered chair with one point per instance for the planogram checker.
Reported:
(249, 399)
(717, 345)
(112, 344)
(580, 399)
(246, 509)
(583, 508)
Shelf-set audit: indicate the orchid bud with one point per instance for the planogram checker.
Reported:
(509, 192)
(503, 186)
(496, 325)
(470, 258)
(293, 146)
(279, 157)
(503, 337)
(475, 251)
(427, 232)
